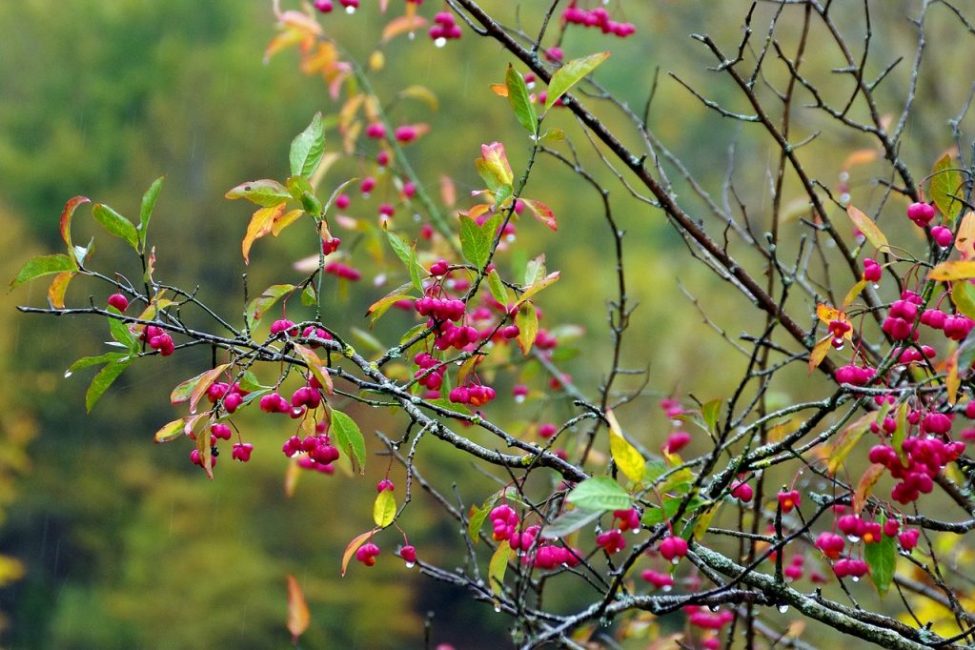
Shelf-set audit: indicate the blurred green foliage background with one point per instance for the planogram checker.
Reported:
(124, 544)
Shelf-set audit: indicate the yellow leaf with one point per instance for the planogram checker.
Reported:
(498, 565)
(869, 229)
(421, 93)
(865, 486)
(965, 239)
(260, 225)
(627, 458)
(291, 476)
(954, 270)
(170, 431)
(953, 381)
(285, 221)
(377, 61)
(828, 314)
(384, 508)
(854, 293)
(298, 616)
(819, 352)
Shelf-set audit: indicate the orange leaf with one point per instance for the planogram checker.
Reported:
(316, 366)
(869, 229)
(261, 224)
(819, 352)
(828, 314)
(298, 616)
(59, 285)
(205, 380)
(954, 270)
(402, 25)
(66, 215)
(501, 90)
(865, 486)
(860, 157)
(353, 546)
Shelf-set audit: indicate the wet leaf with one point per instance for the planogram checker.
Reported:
(570, 74)
(116, 224)
(145, 210)
(105, 378)
(349, 438)
(627, 458)
(953, 270)
(384, 508)
(600, 493)
(520, 101)
(307, 148)
(946, 183)
(264, 192)
(498, 565)
(43, 265)
(869, 229)
(881, 557)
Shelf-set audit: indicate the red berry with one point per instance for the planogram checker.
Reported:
(118, 301)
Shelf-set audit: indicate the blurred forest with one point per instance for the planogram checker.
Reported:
(109, 541)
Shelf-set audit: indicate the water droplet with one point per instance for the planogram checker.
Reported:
(411, 36)
(876, 285)
(666, 588)
(440, 42)
(675, 561)
(497, 608)
(783, 609)
(67, 373)
(856, 578)
(510, 239)
(838, 344)
(714, 608)
(518, 400)
(853, 539)
(350, 10)
(410, 565)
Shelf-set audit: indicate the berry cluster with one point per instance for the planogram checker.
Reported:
(445, 29)
(599, 18)
(159, 340)
(924, 458)
(319, 452)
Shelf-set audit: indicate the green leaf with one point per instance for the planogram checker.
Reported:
(946, 183)
(476, 517)
(600, 493)
(120, 331)
(497, 288)
(654, 516)
(349, 438)
(87, 362)
(116, 224)
(569, 522)
(257, 307)
(711, 412)
(570, 74)
(43, 265)
(308, 298)
(527, 321)
(963, 295)
(476, 241)
(264, 192)
(407, 254)
(307, 148)
(520, 101)
(148, 205)
(384, 508)
(881, 557)
(170, 431)
(302, 191)
(105, 377)
(498, 565)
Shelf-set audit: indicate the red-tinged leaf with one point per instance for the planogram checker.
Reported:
(953, 270)
(570, 74)
(316, 366)
(865, 486)
(494, 168)
(854, 293)
(66, 215)
(59, 286)
(384, 508)
(539, 284)
(300, 21)
(298, 616)
(527, 321)
(353, 546)
(264, 192)
(965, 239)
(43, 265)
(819, 352)
(206, 453)
(952, 380)
(402, 25)
(836, 453)
(543, 213)
(170, 431)
(498, 565)
(448, 192)
(186, 389)
(260, 225)
(206, 379)
(869, 229)
(946, 184)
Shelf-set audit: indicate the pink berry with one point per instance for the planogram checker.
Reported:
(118, 301)
(242, 451)
(408, 553)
